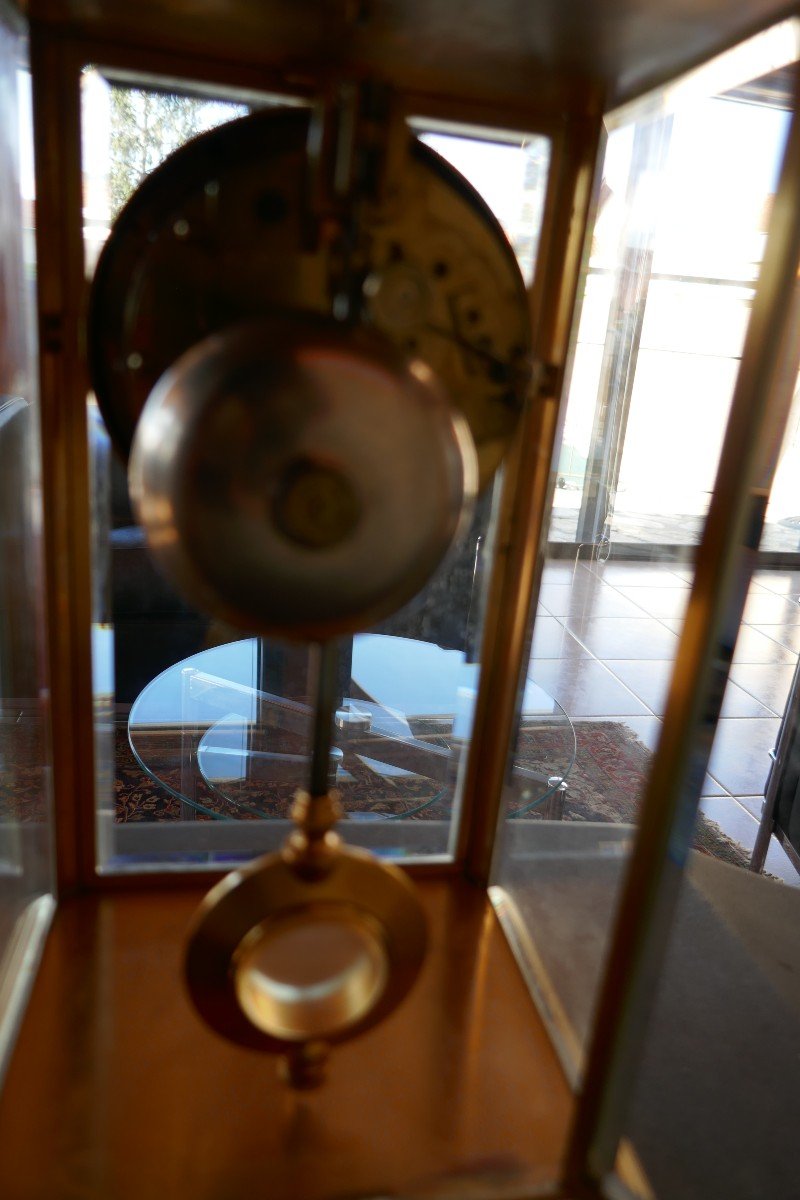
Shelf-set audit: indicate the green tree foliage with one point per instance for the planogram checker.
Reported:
(147, 126)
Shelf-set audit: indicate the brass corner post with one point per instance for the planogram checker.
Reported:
(65, 452)
(759, 412)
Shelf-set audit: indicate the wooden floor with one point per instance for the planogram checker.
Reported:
(117, 1090)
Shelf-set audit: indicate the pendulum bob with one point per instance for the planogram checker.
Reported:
(305, 948)
(300, 478)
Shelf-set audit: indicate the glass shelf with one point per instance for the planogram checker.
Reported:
(230, 750)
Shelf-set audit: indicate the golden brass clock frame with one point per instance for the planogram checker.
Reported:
(59, 51)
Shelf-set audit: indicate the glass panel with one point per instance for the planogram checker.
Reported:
(207, 732)
(576, 442)
(25, 815)
(714, 1081)
(674, 260)
(510, 175)
(140, 625)
(127, 132)
(646, 415)
(782, 527)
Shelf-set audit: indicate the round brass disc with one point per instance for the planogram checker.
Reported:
(274, 960)
(310, 974)
(300, 478)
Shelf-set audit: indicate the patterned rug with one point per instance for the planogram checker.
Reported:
(608, 779)
(605, 783)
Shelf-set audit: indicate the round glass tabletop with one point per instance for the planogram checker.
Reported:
(215, 732)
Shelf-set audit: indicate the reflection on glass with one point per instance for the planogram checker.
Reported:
(510, 176)
(126, 133)
(782, 525)
(220, 738)
(684, 209)
(25, 830)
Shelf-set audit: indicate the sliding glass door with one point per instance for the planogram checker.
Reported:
(684, 207)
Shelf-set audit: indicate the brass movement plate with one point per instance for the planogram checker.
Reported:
(220, 234)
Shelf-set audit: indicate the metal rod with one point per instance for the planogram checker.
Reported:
(325, 661)
(759, 412)
(782, 755)
(65, 462)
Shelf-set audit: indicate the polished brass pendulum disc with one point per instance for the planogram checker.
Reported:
(300, 478)
(289, 965)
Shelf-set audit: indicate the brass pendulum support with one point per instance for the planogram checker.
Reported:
(312, 846)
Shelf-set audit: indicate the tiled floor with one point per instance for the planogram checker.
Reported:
(604, 643)
(636, 526)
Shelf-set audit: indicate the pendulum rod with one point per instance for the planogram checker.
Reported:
(325, 662)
